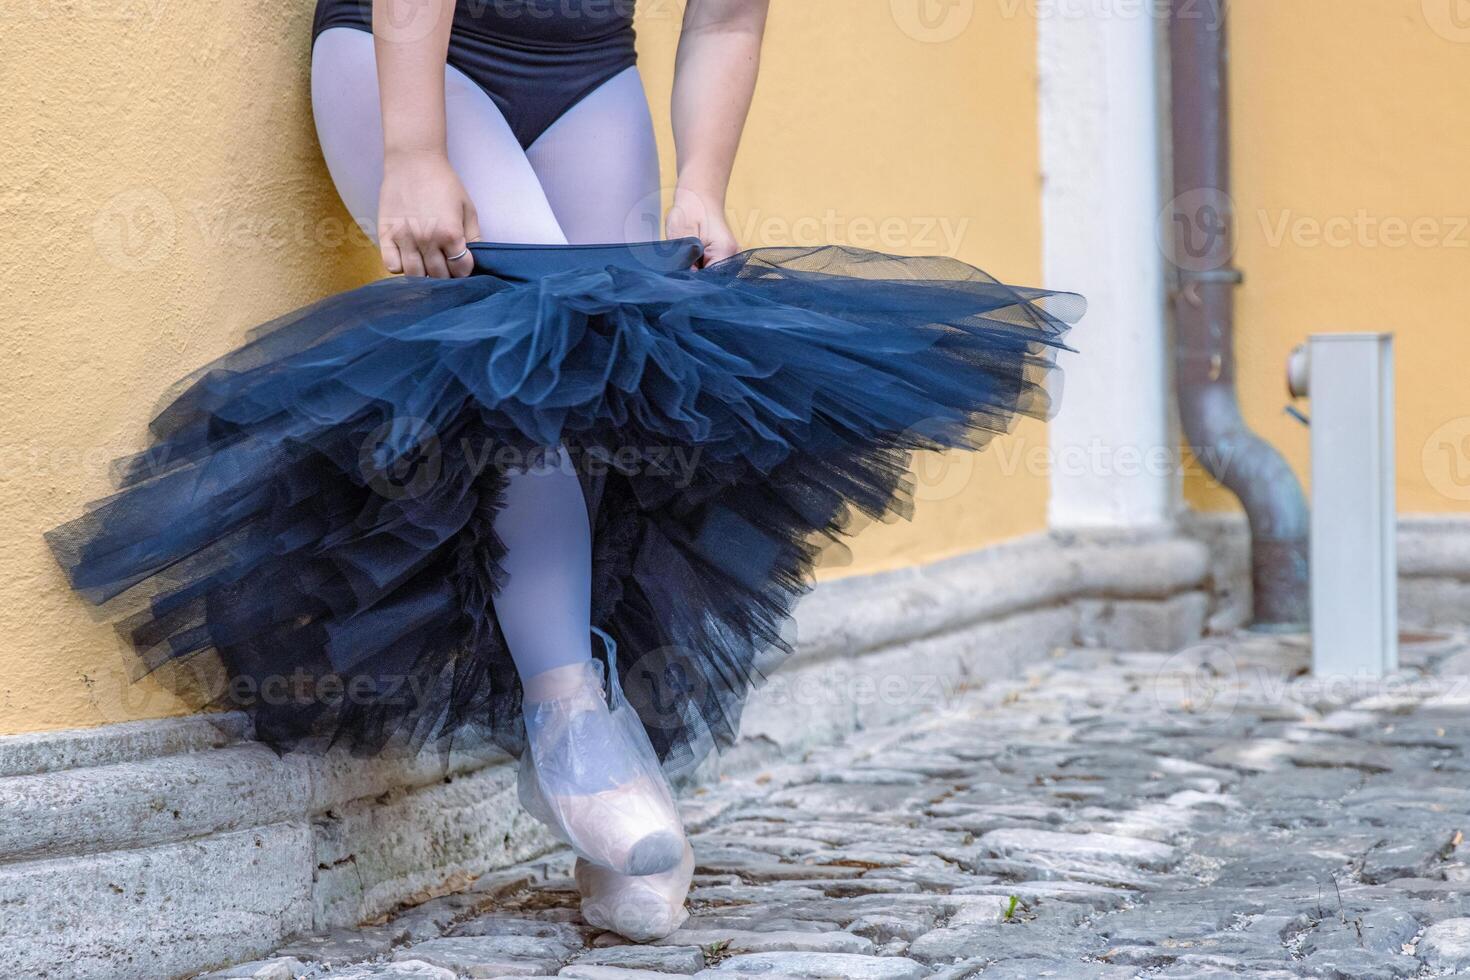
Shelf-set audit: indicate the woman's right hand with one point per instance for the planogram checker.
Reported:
(425, 216)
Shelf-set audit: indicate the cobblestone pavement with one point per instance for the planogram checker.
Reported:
(1214, 813)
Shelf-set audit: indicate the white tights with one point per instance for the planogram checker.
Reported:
(591, 178)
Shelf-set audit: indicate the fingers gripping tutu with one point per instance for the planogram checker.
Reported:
(321, 503)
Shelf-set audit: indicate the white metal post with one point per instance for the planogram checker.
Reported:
(1354, 558)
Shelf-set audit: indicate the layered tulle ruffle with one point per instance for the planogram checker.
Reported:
(314, 516)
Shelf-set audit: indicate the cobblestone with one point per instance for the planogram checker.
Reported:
(1447, 944)
(1107, 816)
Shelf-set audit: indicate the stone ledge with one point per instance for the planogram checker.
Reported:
(24, 755)
(1434, 568)
(376, 853)
(107, 816)
(145, 802)
(337, 777)
(160, 911)
(1434, 546)
(849, 617)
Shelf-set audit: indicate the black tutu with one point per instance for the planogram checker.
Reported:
(313, 521)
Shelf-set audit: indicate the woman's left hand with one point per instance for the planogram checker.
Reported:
(702, 216)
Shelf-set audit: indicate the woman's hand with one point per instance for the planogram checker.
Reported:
(425, 217)
(424, 214)
(714, 81)
(702, 216)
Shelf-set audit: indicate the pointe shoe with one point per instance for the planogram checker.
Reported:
(640, 908)
(627, 830)
(590, 774)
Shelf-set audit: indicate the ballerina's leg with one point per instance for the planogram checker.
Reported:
(598, 165)
(596, 786)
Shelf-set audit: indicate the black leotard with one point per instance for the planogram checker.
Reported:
(535, 58)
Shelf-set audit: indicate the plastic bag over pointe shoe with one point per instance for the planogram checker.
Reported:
(590, 774)
(643, 909)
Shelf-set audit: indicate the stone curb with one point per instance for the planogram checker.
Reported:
(848, 617)
(24, 755)
(1434, 569)
(128, 809)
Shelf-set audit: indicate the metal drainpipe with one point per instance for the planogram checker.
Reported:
(1204, 310)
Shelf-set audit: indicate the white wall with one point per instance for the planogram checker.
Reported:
(1102, 119)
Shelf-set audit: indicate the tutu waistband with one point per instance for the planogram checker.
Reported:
(527, 263)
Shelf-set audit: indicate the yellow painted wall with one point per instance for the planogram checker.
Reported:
(162, 192)
(874, 129)
(1351, 152)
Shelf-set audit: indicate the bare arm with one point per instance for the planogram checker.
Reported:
(714, 83)
(424, 214)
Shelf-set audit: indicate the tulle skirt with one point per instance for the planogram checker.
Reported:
(312, 527)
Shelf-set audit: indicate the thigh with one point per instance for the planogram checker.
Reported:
(598, 165)
(508, 197)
